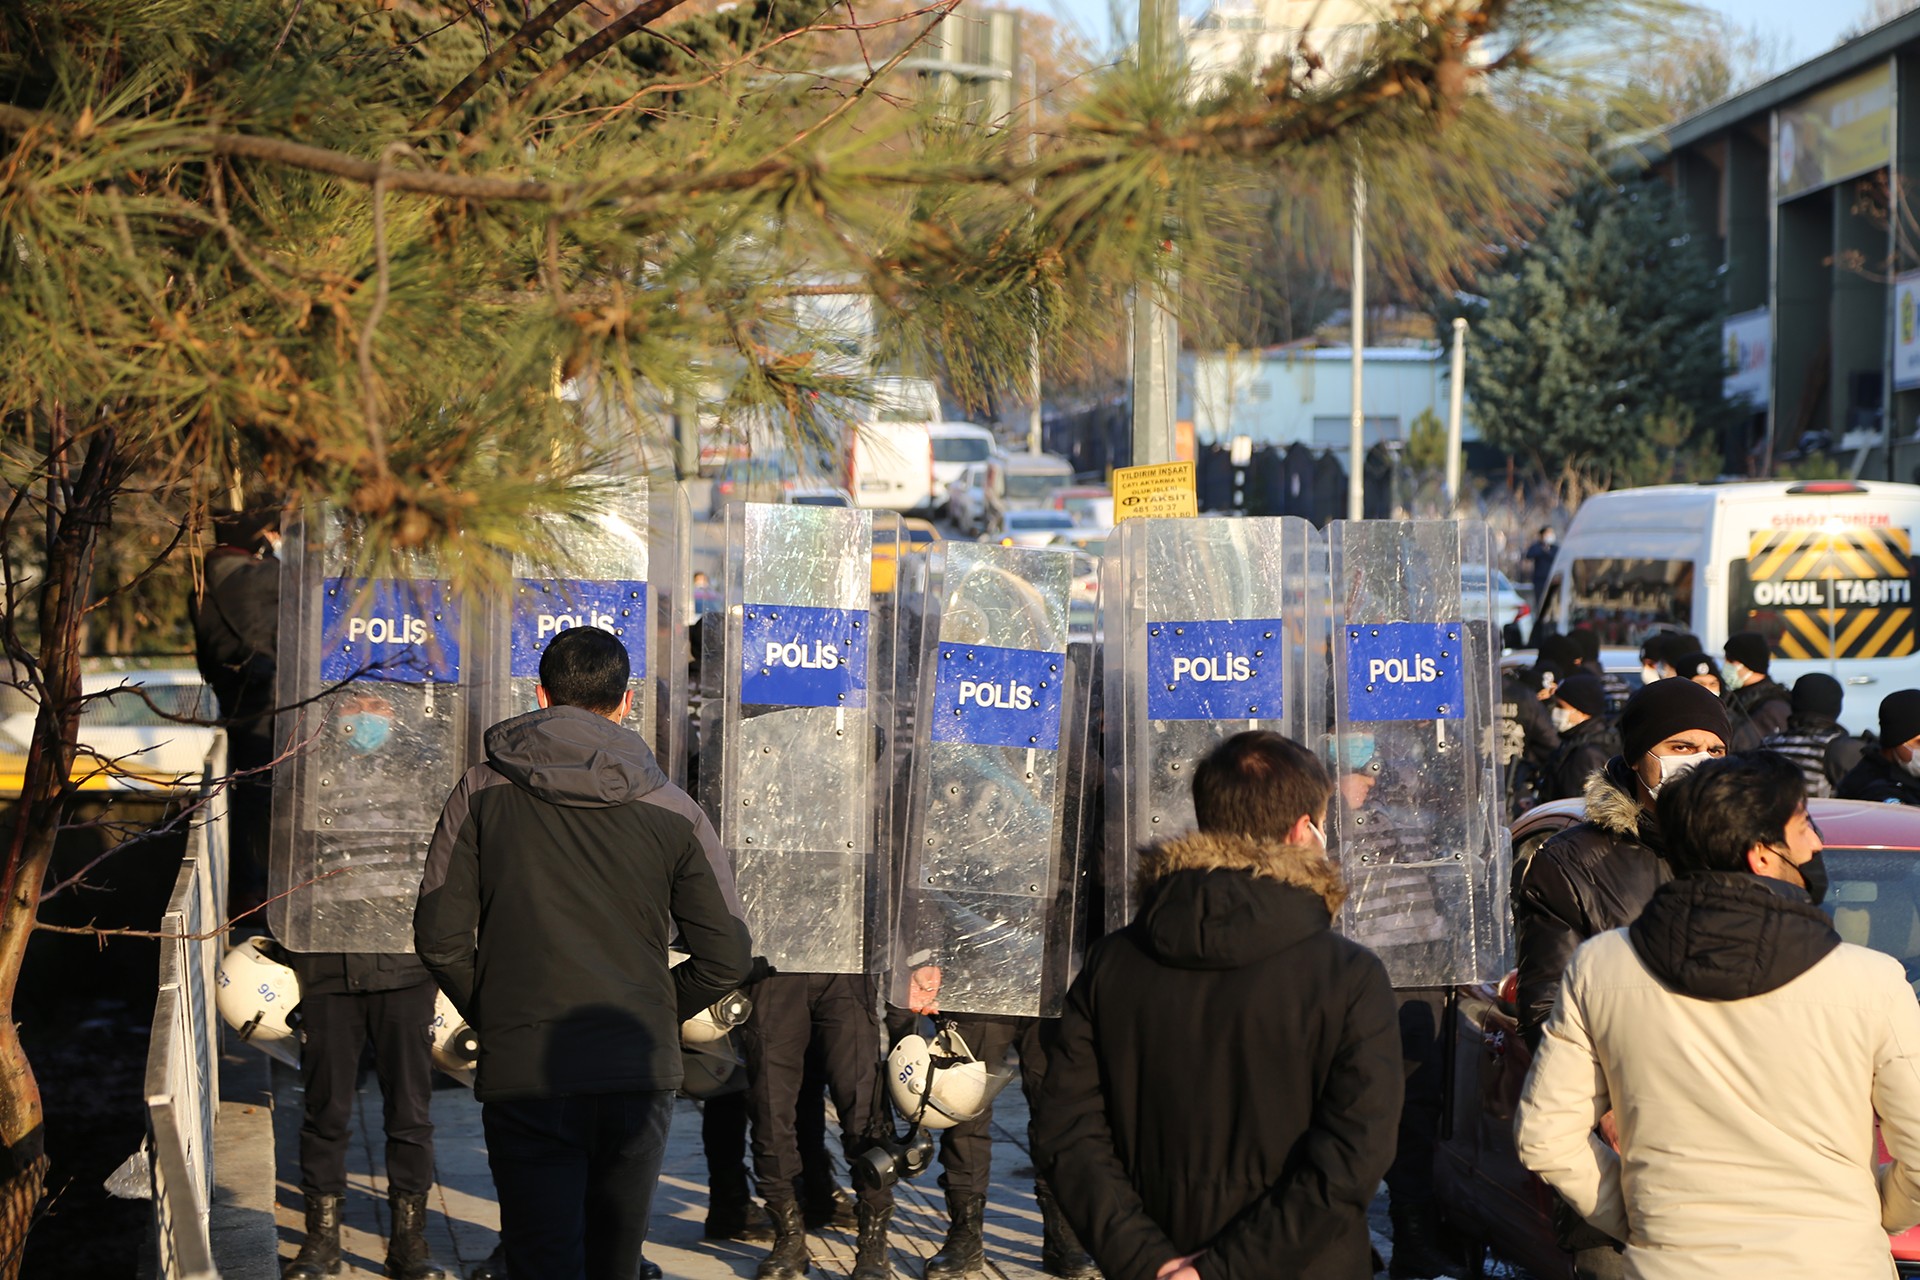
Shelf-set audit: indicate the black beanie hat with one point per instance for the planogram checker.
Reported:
(1560, 651)
(1584, 694)
(1667, 707)
(1687, 666)
(1588, 644)
(1818, 694)
(1668, 647)
(1899, 717)
(1749, 649)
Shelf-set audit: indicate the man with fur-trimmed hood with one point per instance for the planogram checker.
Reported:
(1599, 875)
(1226, 1084)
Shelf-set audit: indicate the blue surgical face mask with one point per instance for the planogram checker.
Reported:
(1357, 750)
(367, 731)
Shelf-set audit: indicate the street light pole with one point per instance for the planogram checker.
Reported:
(1357, 424)
(1033, 154)
(1155, 332)
(1456, 394)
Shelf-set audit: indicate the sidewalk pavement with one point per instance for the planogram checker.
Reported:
(464, 1220)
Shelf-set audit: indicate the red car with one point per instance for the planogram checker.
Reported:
(1873, 862)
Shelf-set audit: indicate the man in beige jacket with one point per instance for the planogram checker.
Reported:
(1707, 1083)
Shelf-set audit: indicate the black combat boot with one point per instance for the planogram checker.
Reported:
(407, 1256)
(787, 1260)
(1060, 1251)
(1417, 1252)
(731, 1212)
(963, 1254)
(870, 1256)
(320, 1252)
(494, 1268)
(823, 1202)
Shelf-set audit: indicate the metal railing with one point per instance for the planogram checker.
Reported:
(183, 1057)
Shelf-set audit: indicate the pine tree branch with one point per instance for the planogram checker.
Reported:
(456, 97)
(595, 45)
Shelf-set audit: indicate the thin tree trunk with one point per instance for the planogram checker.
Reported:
(80, 503)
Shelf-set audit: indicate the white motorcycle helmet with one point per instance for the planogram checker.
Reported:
(255, 993)
(711, 1068)
(713, 1022)
(938, 1084)
(455, 1046)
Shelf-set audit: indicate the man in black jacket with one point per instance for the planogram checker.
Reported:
(558, 874)
(1587, 742)
(1527, 739)
(236, 628)
(1890, 775)
(1226, 1081)
(1757, 705)
(1813, 738)
(1596, 876)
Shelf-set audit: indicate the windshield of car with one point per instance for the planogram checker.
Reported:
(960, 449)
(1033, 485)
(818, 500)
(1874, 901)
(1038, 520)
(1623, 601)
(919, 536)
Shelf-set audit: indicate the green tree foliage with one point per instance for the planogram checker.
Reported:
(1599, 351)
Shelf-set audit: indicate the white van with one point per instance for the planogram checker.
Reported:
(1823, 569)
(890, 454)
(956, 446)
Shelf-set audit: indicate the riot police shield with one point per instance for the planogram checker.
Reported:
(789, 775)
(987, 898)
(372, 736)
(1205, 635)
(621, 569)
(1413, 750)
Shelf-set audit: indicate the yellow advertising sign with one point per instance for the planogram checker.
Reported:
(1161, 489)
(1843, 130)
(1842, 593)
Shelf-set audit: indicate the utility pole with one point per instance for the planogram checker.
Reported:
(1155, 332)
(1357, 424)
(1033, 154)
(1456, 394)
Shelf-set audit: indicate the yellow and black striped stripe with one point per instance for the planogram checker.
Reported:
(1840, 621)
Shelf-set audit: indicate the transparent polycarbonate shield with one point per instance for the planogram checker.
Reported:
(621, 569)
(794, 798)
(987, 898)
(1206, 634)
(371, 737)
(1413, 748)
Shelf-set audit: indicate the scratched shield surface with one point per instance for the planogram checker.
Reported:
(1208, 627)
(796, 801)
(995, 838)
(1416, 824)
(373, 671)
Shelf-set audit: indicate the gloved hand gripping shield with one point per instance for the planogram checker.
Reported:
(373, 731)
(1413, 749)
(621, 569)
(792, 784)
(987, 920)
(1206, 636)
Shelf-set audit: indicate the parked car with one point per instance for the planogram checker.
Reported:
(128, 740)
(818, 496)
(1488, 1197)
(1032, 528)
(956, 446)
(1509, 609)
(1089, 505)
(967, 500)
(749, 480)
(1022, 482)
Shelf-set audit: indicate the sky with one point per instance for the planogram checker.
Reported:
(1808, 27)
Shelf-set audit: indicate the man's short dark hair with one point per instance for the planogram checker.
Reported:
(585, 667)
(1259, 784)
(1712, 814)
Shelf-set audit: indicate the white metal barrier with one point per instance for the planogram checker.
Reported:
(183, 1057)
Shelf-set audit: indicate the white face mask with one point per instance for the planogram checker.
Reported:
(1318, 833)
(1650, 673)
(1912, 764)
(1734, 676)
(1562, 719)
(1672, 767)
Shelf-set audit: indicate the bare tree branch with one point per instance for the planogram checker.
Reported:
(496, 61)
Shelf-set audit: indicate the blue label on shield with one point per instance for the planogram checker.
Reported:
(1405, 671)
(996, 697)
(404, 630)
(800, 656)
(544, 607)
(1214, 670)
